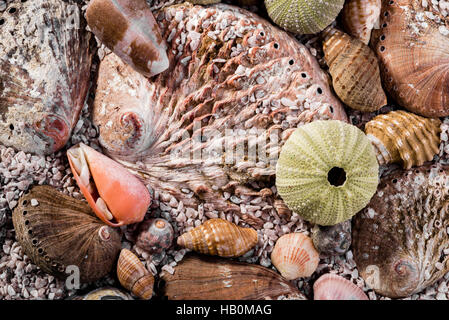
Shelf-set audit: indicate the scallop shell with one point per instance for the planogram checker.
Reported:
(355, 71)
(332, 240)
(155, 235)
(107, 293)
(251, 78)
(133, 275)
(303, 16)
(327, 172)
(45, 60)
(399, 239)
(334, 287)
(61, 231)
(295, 256)
(404, 137)
(219, 237)
(210, 278)
(414, 56)
(360, 16)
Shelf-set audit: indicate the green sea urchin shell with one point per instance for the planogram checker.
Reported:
(303, 16)
(327, 171)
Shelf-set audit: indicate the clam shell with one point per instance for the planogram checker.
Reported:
(219, 237)
(332, 240)
(45, 60)
(210, 278)
(61, 231)
(335, 287)
(295, 256)
(107, 293)
(360, 16)
(327, 172)
(155, 235)
(355, 71)
(398, 240)
(404, 137)
(414, 56)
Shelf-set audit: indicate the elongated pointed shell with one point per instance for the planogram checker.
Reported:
(116, 196)
(399, 239)
(335, 287)
(210, 278)
(355, 71)
(295, 256)
(219, 237)
(327, 171)
(359, 18)
(133, 275)
(61, 231)
(45, 60)
(302, 16)
(404, 137)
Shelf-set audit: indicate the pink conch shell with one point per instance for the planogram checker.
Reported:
(116, 196)
(45, 60)
(128, 28)
(360, 17)
(334, 287)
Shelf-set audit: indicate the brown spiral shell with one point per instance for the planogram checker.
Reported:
(359, 17)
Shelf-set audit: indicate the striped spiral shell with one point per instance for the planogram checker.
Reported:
(219, 237)
(404, 137)
(359, 18)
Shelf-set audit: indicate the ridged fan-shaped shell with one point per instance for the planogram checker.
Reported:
(399, 239)
(335, 287)
(360, 16)
(219, 237)
(404, 137)
(327, 171)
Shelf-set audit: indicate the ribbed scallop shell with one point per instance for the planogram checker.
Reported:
(355, 71)
(404, 137)
(133, 275)
(295, 256)
(399, 239)
(360, 16)
(60, 231)
(335, 287)
(327, 171)
(414, 56)
(219, 237)
(303, 16)
(45, 60)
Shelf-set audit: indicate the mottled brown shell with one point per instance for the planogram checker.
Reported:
(57, 231)
(399, 238)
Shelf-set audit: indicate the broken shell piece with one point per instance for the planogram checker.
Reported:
(116, 196)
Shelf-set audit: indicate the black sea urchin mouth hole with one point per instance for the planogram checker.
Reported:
(336, 176)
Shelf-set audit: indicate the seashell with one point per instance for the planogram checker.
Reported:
(219, 237)
(334, 287)
(133, 275)
(61, 231)
(128, 28)
(303, 16)
(172, 144)
(355, 71)
(332, 240)
(45, 60)
(155, 235)
(413, 51)
(295, 256)
(399, 239)
(327, 172)
(107, 293)
(203, 2)
(360, 16)
(403, 137)
(116, 196)
(210, 278)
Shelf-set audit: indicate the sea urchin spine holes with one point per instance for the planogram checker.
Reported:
(336, 176)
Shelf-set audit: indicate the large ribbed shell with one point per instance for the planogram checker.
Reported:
(60, 231)
(305, 176)
(236, 73)
(360, 16)
(295, 256)
(335, 287)
(303, 16)
(404, 137)
(355, 71)
(414, 56)
(45, 60)
(219, 237)
(399, 238)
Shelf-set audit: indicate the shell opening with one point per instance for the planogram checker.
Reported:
(336, 176)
